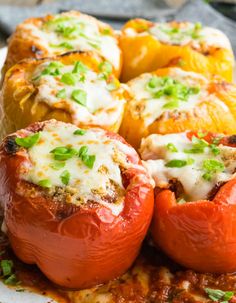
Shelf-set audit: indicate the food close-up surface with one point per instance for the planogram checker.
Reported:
(117, 154)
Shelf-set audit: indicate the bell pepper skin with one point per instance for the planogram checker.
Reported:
(207, 114)
(24, 44)
(18, 96)
(75, 247)
(200, 235)
(144, 53)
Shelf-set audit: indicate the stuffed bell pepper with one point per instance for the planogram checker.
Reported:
(77, 202)
(77, 87)
(173, 100)
(147, 46)
(57, 34)
(195, 198)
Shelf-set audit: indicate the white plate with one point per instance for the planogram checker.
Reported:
(8, 295)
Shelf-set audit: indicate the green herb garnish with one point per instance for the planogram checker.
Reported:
(173, 89)
(106, 69)
(61, 94)
(69, 79)
(198, 146)
(171, 147)
(80, 68)
(63, 153)
(106, 31)
(57, 165)
(83, 150)
(29, 141)
(6, 267)
(79, 132)
(79, 96)
(176, 163)
(211, 166)
(65, 177)
(65, 45)
(218, 295)
(88, 160)
(7, 272)
(45, 183)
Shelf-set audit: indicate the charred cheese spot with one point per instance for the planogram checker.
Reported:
(183, 165)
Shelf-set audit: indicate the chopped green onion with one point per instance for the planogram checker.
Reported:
(53, 69)
(153, 83)
(171, 147)
(215, 150)
(65, 45)
(79, 96)
(11, 280)
(29, 141)
(194, 150)
(176, 163)
(80, 68)
(63, 153)
(194, 90)
(83, 150)
(106, 69)
(61, 94)
(190, 161)
(7, 272)
(65, 177)
(6, 267)
(69, 79)
(211, 166)
(217, 295)
(94, 44)
(45, 183)
(57, 165)
(106, 31)
(202, 134)
(171, 105)
(198, 146)
(79, 132)
(89, 160)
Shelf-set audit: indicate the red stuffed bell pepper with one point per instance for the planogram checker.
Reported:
(195, 203)
(77, 202)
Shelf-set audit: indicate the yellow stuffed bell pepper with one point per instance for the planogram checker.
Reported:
(57, 34)
(77, 87)
(147, 46)
(172, 100)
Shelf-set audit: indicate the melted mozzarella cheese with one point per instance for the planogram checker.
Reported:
(155, 154)
(102, 107)
(206, 35)
(85, 184)
(147, 107)
(88, 38)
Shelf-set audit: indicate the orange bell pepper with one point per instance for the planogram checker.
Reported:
(143, 52)
(215, 111)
